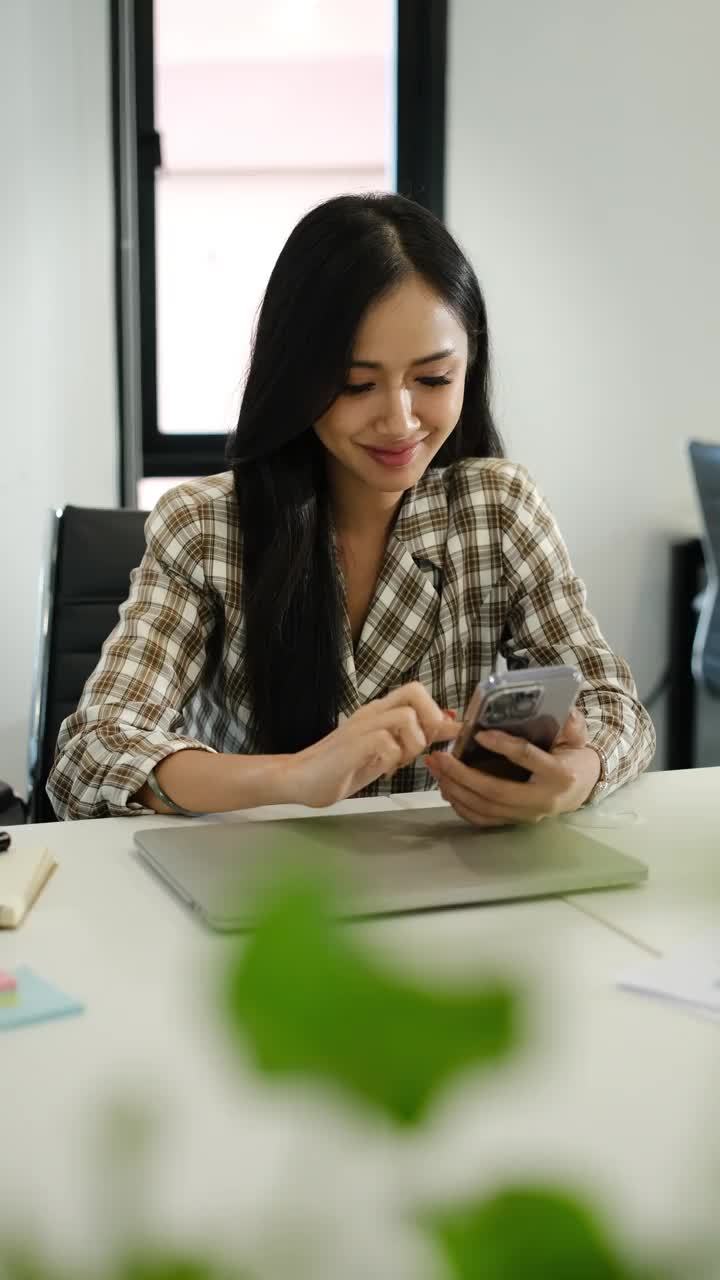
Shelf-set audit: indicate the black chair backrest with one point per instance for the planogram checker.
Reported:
(705, 459)
(95, 553)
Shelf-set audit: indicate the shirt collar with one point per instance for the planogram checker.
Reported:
(422, 522)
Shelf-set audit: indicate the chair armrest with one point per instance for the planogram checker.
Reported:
(13, 810)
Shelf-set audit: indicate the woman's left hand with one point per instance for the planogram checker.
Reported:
(561, 780)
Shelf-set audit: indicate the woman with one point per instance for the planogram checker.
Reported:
(303, 627)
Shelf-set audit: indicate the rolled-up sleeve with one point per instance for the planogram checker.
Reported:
(549, 623)
(130, 714)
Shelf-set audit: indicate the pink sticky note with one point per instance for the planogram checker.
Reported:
(7, 981)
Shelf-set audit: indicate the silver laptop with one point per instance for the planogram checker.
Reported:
(386, 863)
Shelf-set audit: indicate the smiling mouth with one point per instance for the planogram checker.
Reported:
(396, 455)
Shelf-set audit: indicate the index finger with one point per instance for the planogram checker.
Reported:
(436, 724)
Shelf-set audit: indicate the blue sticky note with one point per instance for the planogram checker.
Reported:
(35, 1000)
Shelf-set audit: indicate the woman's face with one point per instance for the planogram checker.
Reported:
(404, 391)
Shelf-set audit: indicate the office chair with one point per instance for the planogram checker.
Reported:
(705, 462)
(85, 579)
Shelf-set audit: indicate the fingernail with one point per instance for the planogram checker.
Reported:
(485, 735)
(451, 714)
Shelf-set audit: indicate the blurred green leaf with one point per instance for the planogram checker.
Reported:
(312, 1002)
(527, 1233)
(19, 1262)
(22, 1263)
(170, 1266)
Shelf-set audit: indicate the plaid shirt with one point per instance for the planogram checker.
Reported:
(475, 568)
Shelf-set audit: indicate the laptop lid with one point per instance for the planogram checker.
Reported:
(390, 862)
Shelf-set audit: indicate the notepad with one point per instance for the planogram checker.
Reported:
(688, 975)
(23, 872)
(34, 1000)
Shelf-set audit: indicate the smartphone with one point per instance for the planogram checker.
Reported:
(532, 704)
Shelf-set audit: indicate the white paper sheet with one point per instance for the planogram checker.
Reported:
(688, 975)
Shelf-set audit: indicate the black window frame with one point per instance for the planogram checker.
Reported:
(420, 169)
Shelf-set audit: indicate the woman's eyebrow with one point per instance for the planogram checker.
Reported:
(375, 364)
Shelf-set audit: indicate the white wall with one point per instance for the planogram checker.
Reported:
(58, 411)
(583, 180)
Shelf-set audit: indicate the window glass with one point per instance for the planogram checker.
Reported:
(263, 111)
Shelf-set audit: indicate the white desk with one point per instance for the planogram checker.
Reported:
(677, 833)
(618, 1094)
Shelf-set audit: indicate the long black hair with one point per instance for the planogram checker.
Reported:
(341, 257)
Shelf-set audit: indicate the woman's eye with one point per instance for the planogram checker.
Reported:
(360, 388)
(357, 388)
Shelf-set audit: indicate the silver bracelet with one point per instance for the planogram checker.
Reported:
(158, 792)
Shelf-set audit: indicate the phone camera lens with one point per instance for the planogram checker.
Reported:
(524, 704)
(512, 704)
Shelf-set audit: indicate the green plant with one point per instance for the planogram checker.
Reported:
(346, 1019)
(310, 999)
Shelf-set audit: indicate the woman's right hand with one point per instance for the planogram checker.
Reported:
(378, 739)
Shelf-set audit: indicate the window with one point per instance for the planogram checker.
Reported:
(231, 120)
